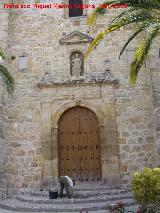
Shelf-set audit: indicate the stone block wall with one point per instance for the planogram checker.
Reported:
(2, 144)
(4, 16)
(136, 133)
(32, 111)
(154, 63)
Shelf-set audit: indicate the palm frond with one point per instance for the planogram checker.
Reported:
(94, 43)
(123, 14)
(130, 18)
(99, 38)
(92, 19)
(2, 55)
(146, 4)
(7, 78)
(141, 53)
(133, 4)
(37, 1)
(100, 10)
(140, 29)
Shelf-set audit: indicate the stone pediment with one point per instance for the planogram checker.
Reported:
(75, 37)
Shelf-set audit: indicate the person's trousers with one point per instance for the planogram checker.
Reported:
(64, 184)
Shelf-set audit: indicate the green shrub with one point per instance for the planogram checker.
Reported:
(146, 186)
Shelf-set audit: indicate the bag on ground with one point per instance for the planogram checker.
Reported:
(53, 193)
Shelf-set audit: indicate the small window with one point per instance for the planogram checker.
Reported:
(76, 8)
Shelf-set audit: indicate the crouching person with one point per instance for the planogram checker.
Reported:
(67, 183)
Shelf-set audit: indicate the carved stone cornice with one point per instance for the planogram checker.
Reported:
(105, 77)
(55, 84)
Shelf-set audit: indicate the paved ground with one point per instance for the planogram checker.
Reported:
(134, 209)
(94, 197)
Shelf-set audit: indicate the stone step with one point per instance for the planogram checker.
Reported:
(98, 199)
(85, 187)
(132, 208)
(93, 186)
(15, 205)
(87, 193)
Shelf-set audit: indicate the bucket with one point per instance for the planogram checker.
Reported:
(53, 194)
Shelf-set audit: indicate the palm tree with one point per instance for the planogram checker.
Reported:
(6, 76)
(145, 14)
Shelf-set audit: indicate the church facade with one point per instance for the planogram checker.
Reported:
(71, 115)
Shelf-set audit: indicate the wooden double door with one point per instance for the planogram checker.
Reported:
(78, 145)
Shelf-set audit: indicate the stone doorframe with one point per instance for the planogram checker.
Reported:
(52, 112)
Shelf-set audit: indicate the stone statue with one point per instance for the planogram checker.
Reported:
(47, 77)
(76, 65)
